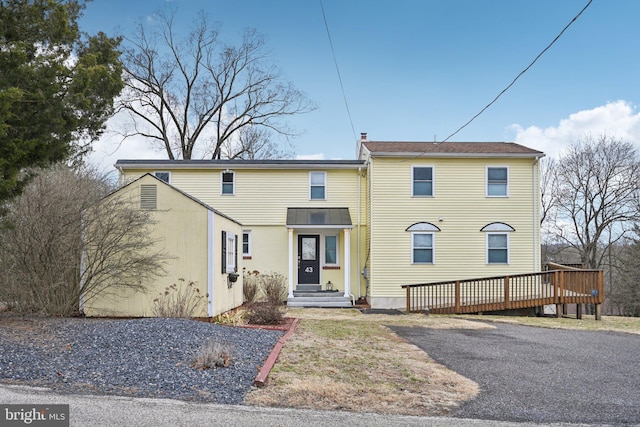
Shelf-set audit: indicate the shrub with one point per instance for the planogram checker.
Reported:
(274, 288)
(182, 301)
(251, 286)
(213, 354)
(265, 313)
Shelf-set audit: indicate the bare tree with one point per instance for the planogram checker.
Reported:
(58, 244)
(196, 94)
(597, 194)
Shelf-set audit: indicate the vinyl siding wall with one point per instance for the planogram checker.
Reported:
(181, 231)
(260, 203)
(461, 203)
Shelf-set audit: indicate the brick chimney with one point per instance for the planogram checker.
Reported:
(363, 136)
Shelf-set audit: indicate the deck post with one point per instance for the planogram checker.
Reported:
(578, 311)
(457, 296)
(507, 301)
(408, 299)
(598, 311)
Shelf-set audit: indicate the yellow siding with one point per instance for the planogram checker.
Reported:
(262, 196)
(459, 208)
(225, 297)
(181, 232)
(260, 203)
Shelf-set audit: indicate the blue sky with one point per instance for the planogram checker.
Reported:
(415, 70)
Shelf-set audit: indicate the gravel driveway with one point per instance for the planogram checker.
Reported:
(133, 357)
(541, 375)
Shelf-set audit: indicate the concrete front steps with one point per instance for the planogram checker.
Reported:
(318, 298)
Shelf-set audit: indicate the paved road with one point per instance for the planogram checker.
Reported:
(90, 411)
(541, 375)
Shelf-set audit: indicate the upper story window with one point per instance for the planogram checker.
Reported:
(422, 184)
(228, 182)
(163, 176)
(497, 181)
(317, 185)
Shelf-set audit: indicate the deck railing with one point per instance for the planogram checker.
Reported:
(507, 292)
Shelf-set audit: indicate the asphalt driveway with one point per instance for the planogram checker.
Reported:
(541, 375)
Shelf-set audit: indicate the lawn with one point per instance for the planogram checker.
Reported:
(343, 359)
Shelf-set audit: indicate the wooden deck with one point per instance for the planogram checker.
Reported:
(559, 287)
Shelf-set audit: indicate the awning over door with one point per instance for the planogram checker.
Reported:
(318, 218)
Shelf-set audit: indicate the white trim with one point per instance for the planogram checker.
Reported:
(210, 261)
(433, 180)
(508, 248)
(347, 265)
(314, 226)
(486, 181)
(233, 184)
(162, 171)
(290, 263)
(324, 182)
(433, 248)
(536, 220)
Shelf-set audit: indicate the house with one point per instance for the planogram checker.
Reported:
(201, 244)
(403, 212)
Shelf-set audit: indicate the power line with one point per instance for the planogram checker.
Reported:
(521, 73)
(335, 61)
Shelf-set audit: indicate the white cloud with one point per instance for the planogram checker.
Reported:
(110, 148)
(317, 156)
(616, 119)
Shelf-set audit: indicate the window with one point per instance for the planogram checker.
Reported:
(163, 176)
(228, 182)
(331, 250)
(497, 181)
(317, 185)
(422, 181)
(229, 252)
(422, 248)
(497, 248)
(246, 244)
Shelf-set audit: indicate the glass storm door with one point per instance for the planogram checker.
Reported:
(308, 260)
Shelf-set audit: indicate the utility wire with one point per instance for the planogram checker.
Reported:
(335, 61)
(521, 73)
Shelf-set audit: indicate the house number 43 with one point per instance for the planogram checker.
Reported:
(308, 270)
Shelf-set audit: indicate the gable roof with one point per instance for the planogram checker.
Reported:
(449, 149)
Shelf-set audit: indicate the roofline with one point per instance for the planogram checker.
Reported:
(442, 155)
(239, 164)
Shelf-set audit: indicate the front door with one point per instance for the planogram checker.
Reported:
(309, 259)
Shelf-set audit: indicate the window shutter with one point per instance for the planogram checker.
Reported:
(224, 252)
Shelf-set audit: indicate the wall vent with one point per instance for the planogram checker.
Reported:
(149, 197)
